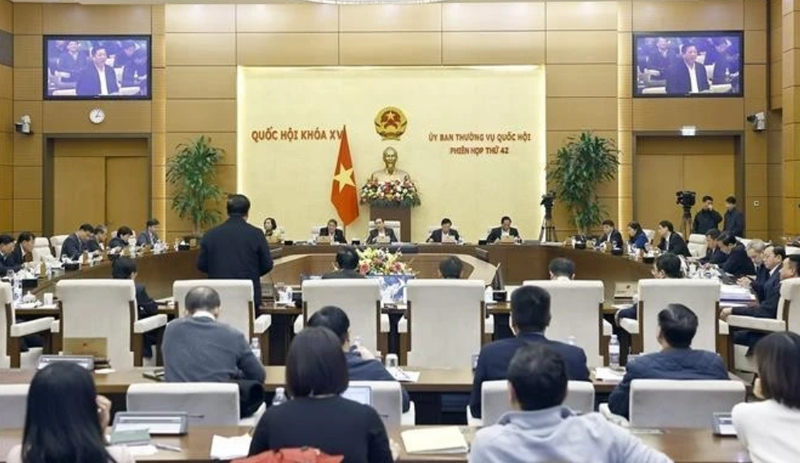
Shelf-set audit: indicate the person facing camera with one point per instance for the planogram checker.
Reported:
(271, 231)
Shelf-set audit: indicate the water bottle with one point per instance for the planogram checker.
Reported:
(356, 341)
(571, 341)
(17, 287)
(280, 397)
(255, 346)
(613, 352)
(488, 295)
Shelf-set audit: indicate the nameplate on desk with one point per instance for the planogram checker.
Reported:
(448, 239)
(324, 240)
(382, 240)
(507, 239)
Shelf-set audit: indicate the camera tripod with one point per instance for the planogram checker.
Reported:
(686, 222)
(548, 231)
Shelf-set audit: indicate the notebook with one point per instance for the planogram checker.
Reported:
(435, 440)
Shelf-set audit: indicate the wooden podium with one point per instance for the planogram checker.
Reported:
(401, 214)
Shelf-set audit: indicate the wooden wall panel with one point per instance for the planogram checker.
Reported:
(200, 18)
(688, 15)
(755, 77)
(755, 180)
(28, 84)
(28, 18)
(201, 82)
(568, 114)
(28, 51)
(6, 183)
(27, 182)
(410, 48)
(73, 117)
(755, 47)
(6, 16)
(201, 115)
(587, 15)
(295, 49)
(379, 18)
(521, 16)
(96, 19)
(201, 49)
(482, 48)
(756, 14)
(671, 114)
(287, 18)
(28, 215)
(6, 148)
(6, 82)
(101, 147)
(581, 47)
(579, 80)
(6, 216)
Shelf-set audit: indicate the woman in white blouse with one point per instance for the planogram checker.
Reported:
(770, 429)
(66, 420)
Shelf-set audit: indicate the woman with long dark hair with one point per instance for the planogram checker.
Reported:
(637, 239)
(66, 420)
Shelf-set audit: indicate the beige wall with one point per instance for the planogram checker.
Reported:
(197, 48)
(6, 129)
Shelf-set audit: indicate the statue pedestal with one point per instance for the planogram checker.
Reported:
(403, 215)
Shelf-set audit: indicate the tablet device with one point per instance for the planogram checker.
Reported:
(723, 425)
(156, 423)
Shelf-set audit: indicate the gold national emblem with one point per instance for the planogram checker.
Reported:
(390, 123)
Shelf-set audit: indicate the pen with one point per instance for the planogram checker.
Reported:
(171, 448)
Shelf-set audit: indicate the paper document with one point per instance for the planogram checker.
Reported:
(404, 376)
(734, 293)
(228, 448)
(608, 375)
(142, 450)
(435, 440)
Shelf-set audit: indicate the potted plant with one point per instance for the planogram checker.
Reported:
(191, 173)
(578, 169)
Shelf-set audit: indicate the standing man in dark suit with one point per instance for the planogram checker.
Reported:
(677, 360)
(149, 236)
(75, 243)
(380, 231)
(444, 234)
(236, 249)
(97, 78)
(671, 241)
(23, 251)
(687, 75)
(505, 229)
(707, 219)
(347, 263)
(530, 316)
(332, 230)
(734, 218)
(124, 268)
(610, 235)
(737, 263)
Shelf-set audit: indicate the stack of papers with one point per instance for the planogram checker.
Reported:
(229, 448)
(606, 374)
(404, 376)
(734, 293)
(435, 440)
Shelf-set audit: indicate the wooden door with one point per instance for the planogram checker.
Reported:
(79, 185)
(127, 192)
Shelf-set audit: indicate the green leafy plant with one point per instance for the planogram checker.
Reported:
(191, 172)
(578, 169)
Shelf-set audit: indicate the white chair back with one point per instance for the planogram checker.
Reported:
(444, 313)
(790, 300)
(495, 399)
(576, 300)
(697, 245)
(41, 249)
(360, 299)
(393, 224)
(650, 234)
(13, 404)
(315, 230)
(100, 308)
(6, 296)
(236, 298)
(792, 250)
(701, 296)
(387, 400)
(208, 404)
(658, 403)
(56, 242)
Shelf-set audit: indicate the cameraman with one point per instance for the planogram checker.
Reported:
(707, 218)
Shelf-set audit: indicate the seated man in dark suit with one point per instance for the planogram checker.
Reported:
(505, 229)
(120, 241)
(198, 348)
(687, 75)
(610, 235)
(361, 363)
(347, 263)
(780, 267)
(97, 78)
(450, 268)
(23, 251)
(75, 244)
(714, 254)
(446, 234)
(149, 236)
(124, 268)
(7, 255)
(337, 236)
(381, 234)
(96, 243)
(671, 241)
(677, 360)
(737, 263)
(530, 316)
(756, 252)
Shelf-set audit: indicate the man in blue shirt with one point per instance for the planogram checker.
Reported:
(361, 363)
(677, 360)
(530, 315)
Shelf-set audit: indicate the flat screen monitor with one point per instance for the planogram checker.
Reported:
(393, 287)
(688, 64)
(360, 394)
(97, 67)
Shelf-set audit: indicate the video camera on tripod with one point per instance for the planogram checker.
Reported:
(687, 199)
(548, 231)
(548, 199)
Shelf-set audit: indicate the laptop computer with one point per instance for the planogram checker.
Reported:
(360, 394)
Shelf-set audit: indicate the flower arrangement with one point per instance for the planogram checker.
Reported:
(373, 261)
(393, 193)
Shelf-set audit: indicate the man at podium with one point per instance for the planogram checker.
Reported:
(446, 234)
(504, 231)
(381, 234)
(332, 230)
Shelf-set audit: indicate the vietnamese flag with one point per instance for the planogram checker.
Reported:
(344, 196)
